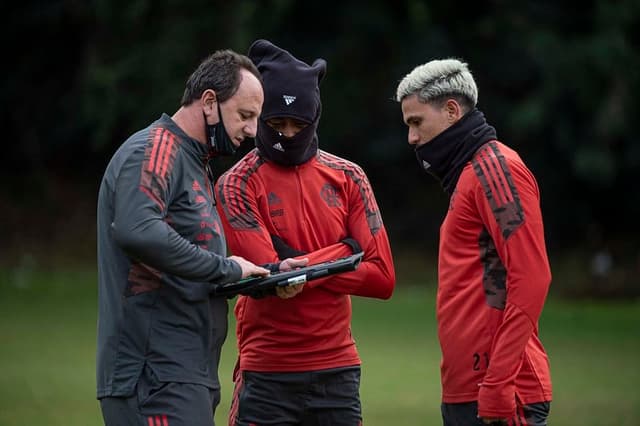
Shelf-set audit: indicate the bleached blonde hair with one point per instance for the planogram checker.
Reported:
(439, 79)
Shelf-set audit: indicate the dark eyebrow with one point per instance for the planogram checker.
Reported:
(412, 118)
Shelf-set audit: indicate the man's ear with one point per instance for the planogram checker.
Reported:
(208, 101)
(453, 110)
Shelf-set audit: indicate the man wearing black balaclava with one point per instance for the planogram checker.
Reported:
(294, 99)
(493, 271)
(298, 363)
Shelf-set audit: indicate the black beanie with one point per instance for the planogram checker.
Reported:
(291, 87)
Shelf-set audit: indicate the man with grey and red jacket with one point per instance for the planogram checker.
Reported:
(161, 252)
(298, 362)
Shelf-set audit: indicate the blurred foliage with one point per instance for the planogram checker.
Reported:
(557, 81)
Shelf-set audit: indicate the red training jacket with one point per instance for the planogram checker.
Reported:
(312, 207)
(493, 280)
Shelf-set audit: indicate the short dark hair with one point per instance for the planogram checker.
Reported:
(220, 71)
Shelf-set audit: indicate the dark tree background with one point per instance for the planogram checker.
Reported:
(557, 81)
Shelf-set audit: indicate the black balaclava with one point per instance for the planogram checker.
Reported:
(445, 156)
(219, 139)
(291, 89)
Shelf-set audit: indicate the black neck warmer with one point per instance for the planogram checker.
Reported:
(285, 151)
(445, 156)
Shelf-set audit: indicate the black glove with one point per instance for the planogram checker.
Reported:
(355, 246)
(284, 251)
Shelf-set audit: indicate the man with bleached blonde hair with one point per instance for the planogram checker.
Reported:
(493, 271)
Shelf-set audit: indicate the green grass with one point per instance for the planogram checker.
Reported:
(47, 335)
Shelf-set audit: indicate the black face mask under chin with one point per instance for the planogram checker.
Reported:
(218, 138)
(286, 151)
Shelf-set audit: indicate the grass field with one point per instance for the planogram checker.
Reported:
(47, 335)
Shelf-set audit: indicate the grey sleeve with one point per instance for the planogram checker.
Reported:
(139, 228)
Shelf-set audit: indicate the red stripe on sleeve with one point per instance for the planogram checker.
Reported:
(161, 153)
(156, 141)
(167, 155)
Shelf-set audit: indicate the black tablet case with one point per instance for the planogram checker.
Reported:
(296, 276)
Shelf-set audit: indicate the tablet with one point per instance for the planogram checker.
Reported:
(293, 277)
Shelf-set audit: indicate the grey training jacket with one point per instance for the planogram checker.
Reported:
(161, 248)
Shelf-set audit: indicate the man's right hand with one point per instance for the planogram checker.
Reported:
(249, 269)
